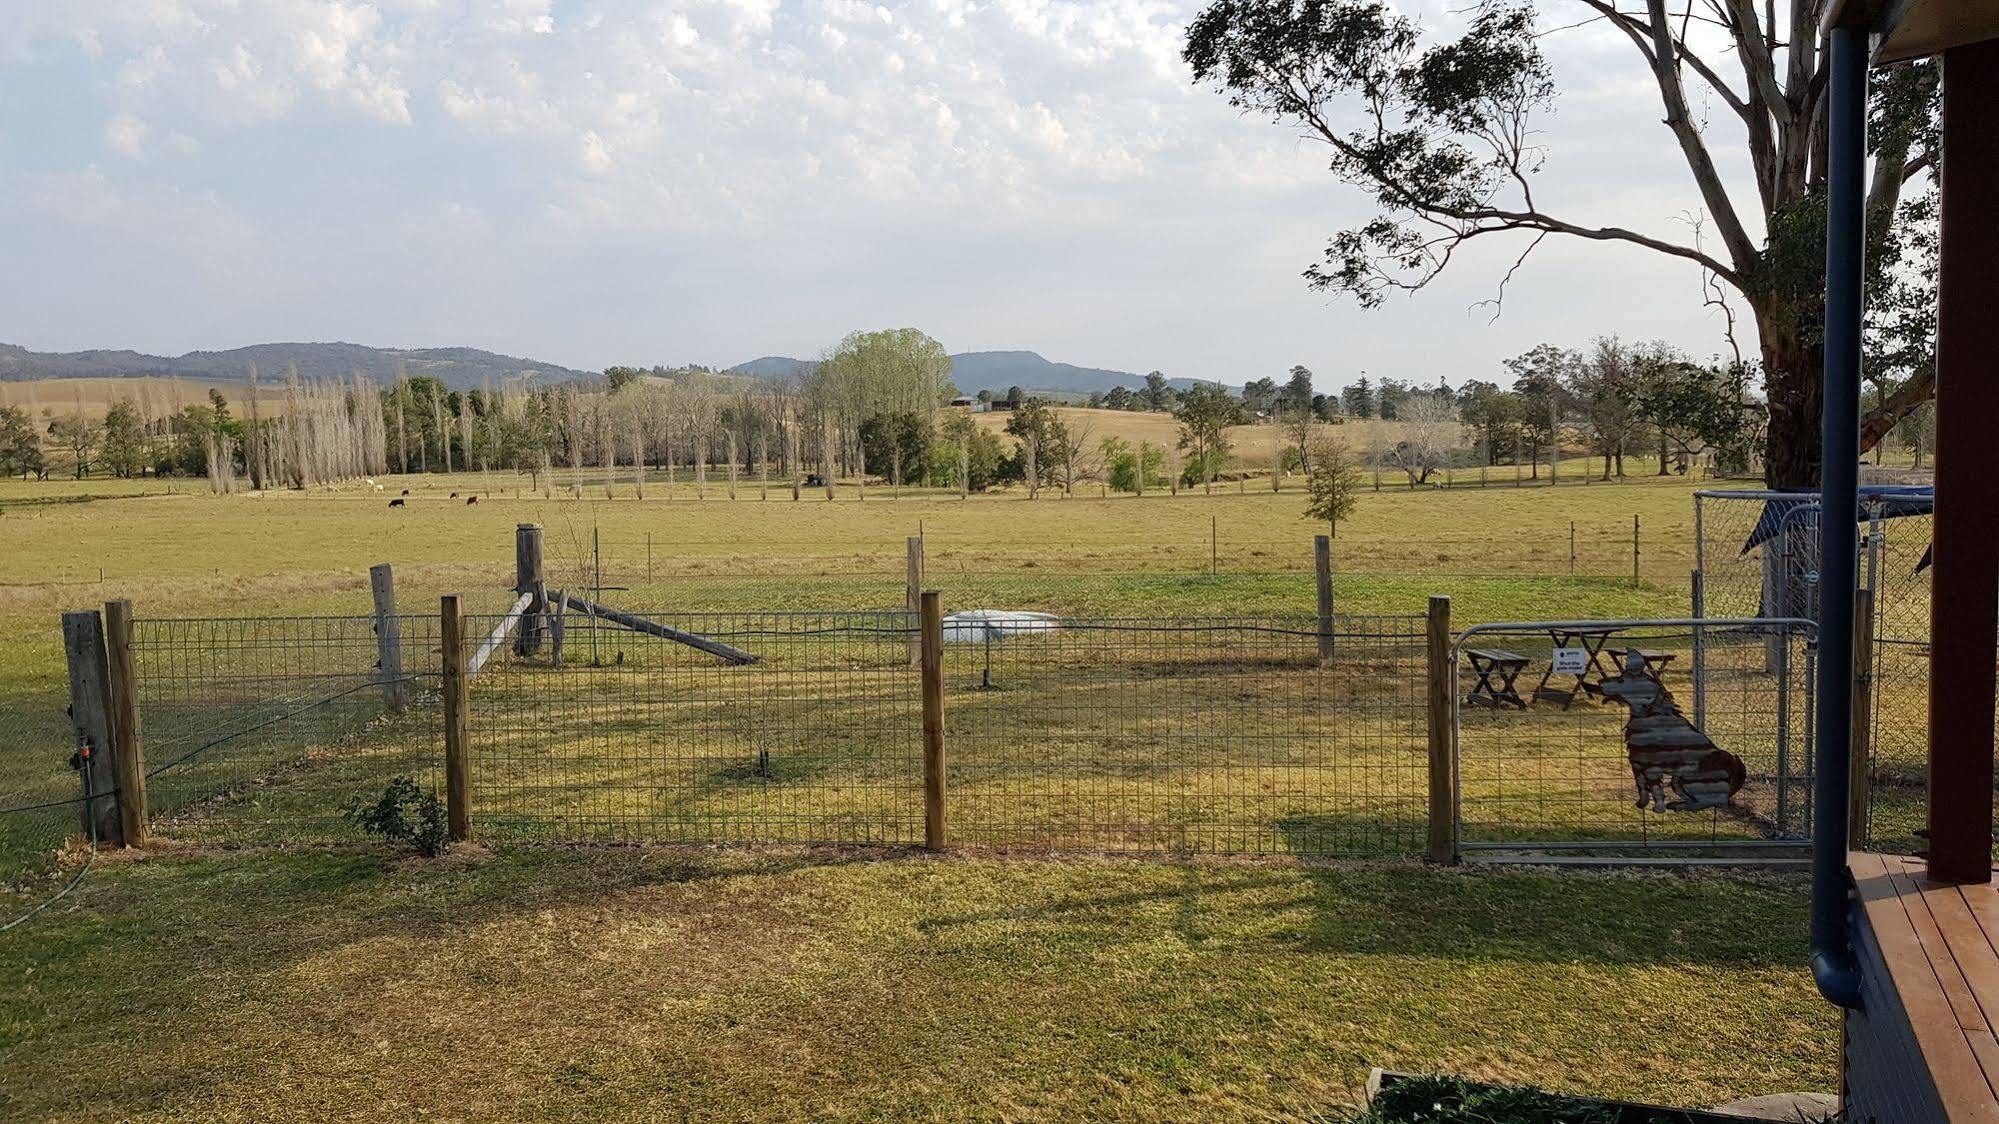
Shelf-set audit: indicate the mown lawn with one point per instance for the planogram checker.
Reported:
(629, 985)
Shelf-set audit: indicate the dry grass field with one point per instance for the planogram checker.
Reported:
(98, 394)
(245, 974)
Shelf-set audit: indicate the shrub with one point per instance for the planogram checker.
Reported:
(404, 814)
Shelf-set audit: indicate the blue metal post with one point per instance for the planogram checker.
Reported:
(1839, 499)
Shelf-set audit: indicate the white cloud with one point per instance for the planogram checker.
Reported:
(596, 157)
(126, 135)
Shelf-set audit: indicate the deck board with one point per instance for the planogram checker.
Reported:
(1941, 944)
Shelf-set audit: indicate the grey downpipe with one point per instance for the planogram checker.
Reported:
(1833, 966)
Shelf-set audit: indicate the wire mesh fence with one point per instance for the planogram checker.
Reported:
(1895, 564)
(41, 796)
(262, 728)
(1194, 734)
(1557, 752)
(636, 738)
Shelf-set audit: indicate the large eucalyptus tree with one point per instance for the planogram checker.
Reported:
(1443, 134)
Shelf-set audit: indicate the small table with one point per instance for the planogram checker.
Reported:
(1651, 662)
(1488, 662)
(1590, 641)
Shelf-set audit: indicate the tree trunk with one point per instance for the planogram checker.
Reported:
(1792, 373)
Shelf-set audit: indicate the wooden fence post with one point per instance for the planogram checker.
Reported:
(457, 744)
(388, 636)
(1443, 740)
(528, 579)
(934, 837)
(1860, 773)
(128, 754)
(90, 713)
(1634, 551)
(1322, 564)
(914, 599)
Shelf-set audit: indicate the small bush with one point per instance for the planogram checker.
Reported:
(404, 814)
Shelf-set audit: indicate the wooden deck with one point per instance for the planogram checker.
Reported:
(1939, 944)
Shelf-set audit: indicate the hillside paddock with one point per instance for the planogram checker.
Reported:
(350, 982)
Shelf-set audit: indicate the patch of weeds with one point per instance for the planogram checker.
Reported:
(404, 814)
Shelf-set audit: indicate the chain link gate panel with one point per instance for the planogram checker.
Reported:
(1757, 552)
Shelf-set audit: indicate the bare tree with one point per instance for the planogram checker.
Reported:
(1430, 431)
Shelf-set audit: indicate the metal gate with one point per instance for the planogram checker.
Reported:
(1549, 758)
(1758, 553)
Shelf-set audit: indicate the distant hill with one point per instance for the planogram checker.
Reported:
(460, 368)
(996, 371)
(773, 367)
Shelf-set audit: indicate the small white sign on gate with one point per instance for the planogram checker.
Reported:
(1571, 661)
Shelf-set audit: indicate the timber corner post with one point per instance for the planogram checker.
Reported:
(128, 755)
(457, 746)
(1443, 841)
(528, 579)
(932, 639)
(388, 636)
(90, 714)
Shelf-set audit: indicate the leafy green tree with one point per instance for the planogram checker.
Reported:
(1119, 398)
(1205, 414)
(1296, 397)
(1358, 398)
(893, 445)
(1494, 414)
(618, 378)
(1259, 396)
(1696, 408)
(1604, 389)
(124, 440)
(20, 445)
(981, 454)
(1389, 399)
(1043, 439)
(79, 437)
(1333, 484)
(1157, 397)
(1444, 134)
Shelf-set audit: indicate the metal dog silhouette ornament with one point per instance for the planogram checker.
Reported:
(1666, 750)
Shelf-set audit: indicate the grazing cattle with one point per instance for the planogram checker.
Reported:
(406, 491)
(814, 480)
(470, 500)
(396, 503)
(454, 495)
(1666, 750)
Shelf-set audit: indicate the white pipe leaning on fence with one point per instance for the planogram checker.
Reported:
(499, 637)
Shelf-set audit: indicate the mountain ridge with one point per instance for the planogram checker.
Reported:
(459, 368)
(463, 368)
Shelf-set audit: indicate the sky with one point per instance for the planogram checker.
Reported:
(590, 182)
